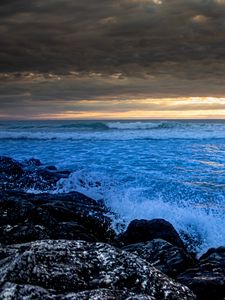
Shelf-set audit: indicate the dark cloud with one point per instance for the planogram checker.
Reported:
(93, 49)
(108, 36)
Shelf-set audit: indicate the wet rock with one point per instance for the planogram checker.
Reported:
(106, 294)
(207, 277)
(51, 168)
(72, 231)
(13, 210)
(10, 172)
(164, 256)
(26, 217)
(33, 162)
(10, 167)
(11, 250)
(23, 233)
(39, 179)
(77, 266)
(12, 291)
(30, 174)
(147, 230)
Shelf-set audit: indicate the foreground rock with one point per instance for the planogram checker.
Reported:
(147, 230)
(17, 291)
(64, 267)
(207, 278)
(166, 257)
(30, 174)
(28, 217)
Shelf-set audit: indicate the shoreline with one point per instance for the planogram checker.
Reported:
(43, 223)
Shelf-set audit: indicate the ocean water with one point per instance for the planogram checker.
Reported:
(142, 169)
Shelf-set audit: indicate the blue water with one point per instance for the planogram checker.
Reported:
(141, 169)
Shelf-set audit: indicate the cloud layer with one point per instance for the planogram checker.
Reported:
(72, 50)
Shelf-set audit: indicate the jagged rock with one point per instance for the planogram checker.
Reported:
(147, 230)
(72, 231)
(40, 179)
(30, 174)
(10, 172)
(207, 277)
(33, 162)
(11, 291)
(106, 294)
(10, 167)
(13, 209)
(51, 168)
(166, 257)
(76, 266)
(23, 233)
(26, 217)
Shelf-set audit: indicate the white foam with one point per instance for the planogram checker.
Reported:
(116, 133)
(135, 125)
(203, 225)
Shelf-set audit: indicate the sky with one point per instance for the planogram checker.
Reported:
(112, 59)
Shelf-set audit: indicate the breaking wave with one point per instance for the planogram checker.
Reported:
(114, 130)
(203, 224)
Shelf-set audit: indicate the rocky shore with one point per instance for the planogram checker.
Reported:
(63, 246)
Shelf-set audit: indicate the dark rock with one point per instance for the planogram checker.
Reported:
(207, 278)
(167, 258)
(72, 231)
(10, 167)
(41, 216)
(106, 294)
(51, 168)
(30, 174)
(13, 210)
(10, 172)
(76, 266)
(147, 230)
(33, 162)
(64, 173)
(26, 217)
(23, 233)
(5, 252)
(39, 179)
(12, 291)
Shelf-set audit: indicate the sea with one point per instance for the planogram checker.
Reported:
(148, 169)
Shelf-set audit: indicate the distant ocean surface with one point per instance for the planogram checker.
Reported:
(141, 169)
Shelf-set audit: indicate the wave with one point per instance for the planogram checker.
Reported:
(140, 125)
(204, 226)
(98, 125)
(86, 126)
(123, 135)
(114, 130)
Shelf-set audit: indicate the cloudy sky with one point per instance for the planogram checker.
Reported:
(112, 59)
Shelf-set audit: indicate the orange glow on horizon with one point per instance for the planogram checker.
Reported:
(149, 108)
(161, 108)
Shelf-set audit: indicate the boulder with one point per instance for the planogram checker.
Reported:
(31, 174)
(34, 162)
(28, 217)
(164, 256)
(23, 233)
(67, 267)
(12, 291)
(72, 231)
(10, 167)
(147, 230)
(207, 277)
